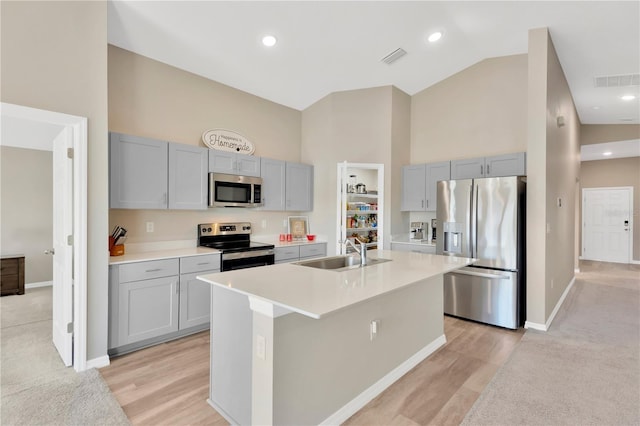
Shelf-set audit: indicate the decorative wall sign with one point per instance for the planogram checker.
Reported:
(298, 226)
(227, 140)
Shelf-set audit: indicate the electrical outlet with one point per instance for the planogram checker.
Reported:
(149, 226)
(373, 329)
(551, 282)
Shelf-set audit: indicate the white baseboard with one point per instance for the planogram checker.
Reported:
(40, 284)
(576, 271)
(535, 326)
(223, 413)
(378, 387)
(635, 262)
(99, 362)
(545, 327)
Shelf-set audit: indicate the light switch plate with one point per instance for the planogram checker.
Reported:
(261, 347)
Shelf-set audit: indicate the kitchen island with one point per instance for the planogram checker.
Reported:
(292, 344)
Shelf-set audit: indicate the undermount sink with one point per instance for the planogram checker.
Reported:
(339, 262)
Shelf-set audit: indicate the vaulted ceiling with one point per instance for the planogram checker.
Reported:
(328, 46)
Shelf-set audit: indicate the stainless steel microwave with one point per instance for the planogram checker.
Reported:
(234, 191)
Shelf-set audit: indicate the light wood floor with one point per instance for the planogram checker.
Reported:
(168, 383)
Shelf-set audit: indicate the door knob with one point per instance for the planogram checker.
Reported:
(52, 251)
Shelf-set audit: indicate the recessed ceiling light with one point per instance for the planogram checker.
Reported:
(606, 153)
(596, 107)
(627, 97)
(269, 40)
(434, 37)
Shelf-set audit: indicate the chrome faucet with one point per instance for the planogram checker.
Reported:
(362, 251)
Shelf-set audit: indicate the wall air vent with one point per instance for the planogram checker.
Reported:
(624, 80)
(394, 56)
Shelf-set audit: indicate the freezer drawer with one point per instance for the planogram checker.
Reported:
(483, 295)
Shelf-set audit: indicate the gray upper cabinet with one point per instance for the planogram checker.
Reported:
(286, 186)
(138, 172)
(299, 187)
(499, 165)
(506, 165)
(273, 174)
(419, 185)
(413, 188)
(188, 167)
(467, 169)
(233, 163)
(435, 172)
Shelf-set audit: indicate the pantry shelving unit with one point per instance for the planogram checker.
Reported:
(360, 215)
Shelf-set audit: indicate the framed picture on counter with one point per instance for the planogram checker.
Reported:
(298, 227)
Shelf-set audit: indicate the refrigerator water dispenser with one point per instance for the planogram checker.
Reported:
(452, 237)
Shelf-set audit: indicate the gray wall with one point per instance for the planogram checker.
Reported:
(358, 126)
(152, 99)
(553, 168)
(54, 57)
(26, 204)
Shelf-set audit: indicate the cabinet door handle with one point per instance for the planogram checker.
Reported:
(154, 270)
(422, 204)
(481, 170)
(427, 203)
(488, 170)
(203, 263)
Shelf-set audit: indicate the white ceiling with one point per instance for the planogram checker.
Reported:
(329, 46)
(618, 149)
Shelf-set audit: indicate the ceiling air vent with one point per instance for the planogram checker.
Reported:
(394, 56)
(625, 80)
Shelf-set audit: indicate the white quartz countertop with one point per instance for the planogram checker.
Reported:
(160, 254)
(317, 292)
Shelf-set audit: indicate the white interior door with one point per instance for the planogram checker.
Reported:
(62, 251)
(607, 224)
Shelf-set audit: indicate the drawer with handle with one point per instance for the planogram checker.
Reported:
(313, 250)
(287, 253)
(206, 262)
(147, 270)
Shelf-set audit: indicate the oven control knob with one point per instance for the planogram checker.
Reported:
(209, 230)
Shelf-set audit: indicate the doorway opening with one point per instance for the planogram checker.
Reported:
(70, 222)
(607, 224)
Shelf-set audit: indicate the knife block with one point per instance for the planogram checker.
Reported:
(115, 249)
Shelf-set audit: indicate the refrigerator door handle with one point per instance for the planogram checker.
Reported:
(474, 221)
(483, 275)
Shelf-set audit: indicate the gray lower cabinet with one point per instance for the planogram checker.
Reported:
(158, 300)
(299, 252)
(496, 166)
(137, 172)
(233, 163)
(417, 248)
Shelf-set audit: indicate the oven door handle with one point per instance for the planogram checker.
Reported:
(247, 254)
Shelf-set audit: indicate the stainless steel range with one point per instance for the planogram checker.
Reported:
(234, 241)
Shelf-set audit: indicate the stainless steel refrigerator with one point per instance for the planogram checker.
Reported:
(484, 219)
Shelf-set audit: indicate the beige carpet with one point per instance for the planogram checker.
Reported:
(585, 370)
(35, 386)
